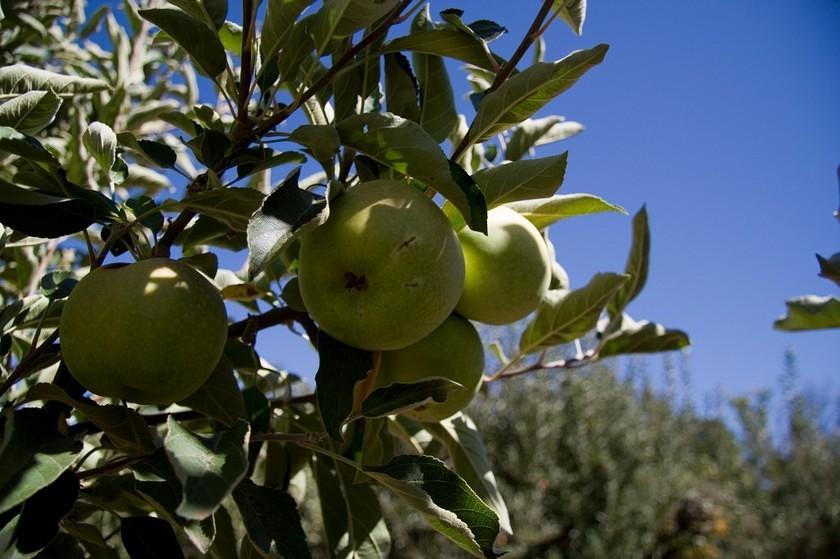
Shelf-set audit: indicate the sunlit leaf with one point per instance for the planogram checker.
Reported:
(20, 78)
(31, 112)
(542, 212)
(810, 312)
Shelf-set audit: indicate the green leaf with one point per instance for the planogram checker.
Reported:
(230, 35)
(537, 132)
(272, 520)
(32, 454)
(219, 397)
(266, 159)
(353, 522)
(341, 367)
(404, 146)
(542, 212)
(522, 180)
(397, 397)
(20, 78)
(450, 43)
(573, 12)
(156, 153)
(208, 469)
(125, 428)
(200, 42)
(525, 93)
(41, 513)
(31, 112)
(830, 268)
(42, 215)
(642, 337)
(101, 142)
(322, 141)
(401, 87)
(810, 312)
(231, 206)
(147, 537)
(438, 115)
(342, 18)
(564, 316)
(217, 10)
(469, 460)
(280, 17)
(637, 264)
(284, 215)
(445, 499)
(23, 145)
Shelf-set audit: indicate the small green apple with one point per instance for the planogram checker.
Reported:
(384, 270)
(507, 270)
(150, 332)
(453, 351)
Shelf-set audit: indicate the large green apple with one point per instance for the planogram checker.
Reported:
(507, 270)
(453, 351)
(384, 270)
(150, 332)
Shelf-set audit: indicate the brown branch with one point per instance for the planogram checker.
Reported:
(273, 317)
(249, 15)
(27, 362)
(325, 79)
(559, 364)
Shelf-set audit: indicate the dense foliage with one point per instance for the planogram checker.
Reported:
(150, 131)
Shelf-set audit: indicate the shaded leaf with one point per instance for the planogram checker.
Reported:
(523, 94)
(322, 141)
(126, 428)
(42, 215)
(284, 215)
(272, 520)
(208, 468)
(407, 148)
(342, 18)
(231, 206)
(401, 87)
(200, 42)
(438, 115)
(637, 264)
(448, 503)
(151, 151)
(31, 112)
(810, 312)
(642, 337)
(219, 397)
(146, 537)
(38, 523)
(522, 180)
(353, 523)
(20, 78)
(397, 397)
(32, 454)
(341, 367)
(564, 316)
(23, 145)
(469, 460)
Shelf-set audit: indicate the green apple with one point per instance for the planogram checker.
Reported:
(507, 270)
(453, 351)
(150, 332)
(384, 270)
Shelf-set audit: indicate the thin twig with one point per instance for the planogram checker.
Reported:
(273, 317)
(571, 363)
(113, 466)
(246, 59)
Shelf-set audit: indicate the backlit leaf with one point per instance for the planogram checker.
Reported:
(542, 212)
(200, 42)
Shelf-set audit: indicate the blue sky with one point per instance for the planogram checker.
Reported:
(723, 117)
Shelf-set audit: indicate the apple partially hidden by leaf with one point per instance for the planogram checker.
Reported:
(384, 270)
(453, 351)
(150, 332)
(507, 270)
